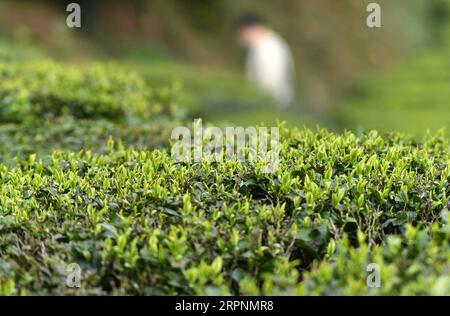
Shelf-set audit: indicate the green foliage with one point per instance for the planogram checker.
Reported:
(43, 89)
(18, 141)
(16, 52)
(88, 187)
(411, 97)
(138, 222)
(46, 106)
(416, 263)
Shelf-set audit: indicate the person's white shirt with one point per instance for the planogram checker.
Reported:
(270, 66)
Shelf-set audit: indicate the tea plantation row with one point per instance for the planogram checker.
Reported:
(137, 222)
(81, 182)
(46, 105)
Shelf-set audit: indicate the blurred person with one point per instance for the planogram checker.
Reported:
(269, 61)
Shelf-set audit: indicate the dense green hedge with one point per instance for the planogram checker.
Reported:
(44, 89)
(18, 141)
(411, 264)
(46, 105)
(81, 182)
(13, 52)
(138, 222)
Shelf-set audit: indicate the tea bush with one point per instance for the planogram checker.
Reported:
(33, 90)
(138, 222)
(18, 141)
(412, 264)
(46, 105)
(86, 177)
(12, 52)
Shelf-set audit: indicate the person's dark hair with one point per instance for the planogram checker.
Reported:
(249, 19)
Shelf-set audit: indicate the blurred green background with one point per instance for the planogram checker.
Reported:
(394, 78)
